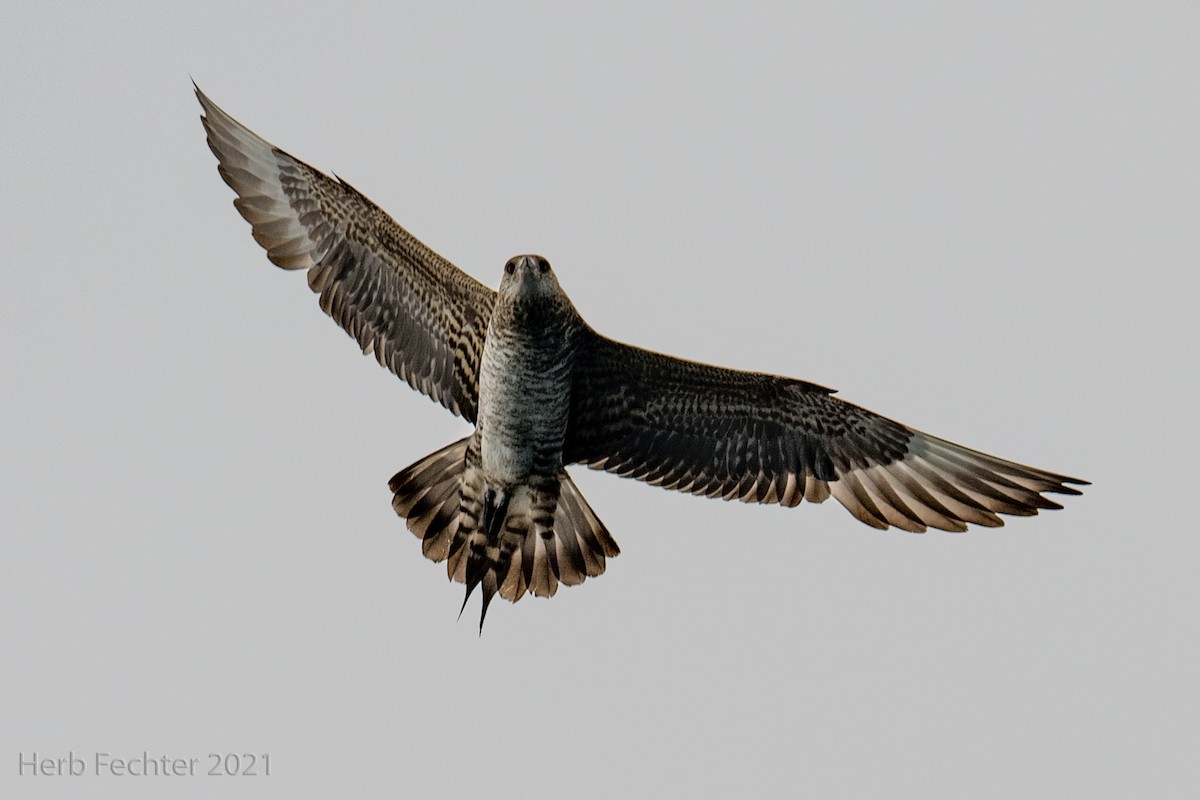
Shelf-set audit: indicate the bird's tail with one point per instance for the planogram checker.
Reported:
(428, 495)
(511, 541)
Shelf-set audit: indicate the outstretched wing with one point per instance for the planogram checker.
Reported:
(424, 318)
(766, 439)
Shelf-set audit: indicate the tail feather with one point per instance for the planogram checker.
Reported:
(575, 515)
(514, 583)
(541, 534)
(427, 493)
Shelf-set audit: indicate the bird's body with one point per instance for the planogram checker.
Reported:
(525, 378)
(514, 531)
(544, 391)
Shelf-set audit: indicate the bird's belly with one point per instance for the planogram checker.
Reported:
(523, 406)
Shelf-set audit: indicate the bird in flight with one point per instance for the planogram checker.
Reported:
(544, 390)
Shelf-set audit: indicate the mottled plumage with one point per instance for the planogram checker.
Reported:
(544, 390)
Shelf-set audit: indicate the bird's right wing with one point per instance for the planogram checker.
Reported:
(766, 439)
(424, 318)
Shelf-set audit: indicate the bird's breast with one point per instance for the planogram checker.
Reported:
(524, 402)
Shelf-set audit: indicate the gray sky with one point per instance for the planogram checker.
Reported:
(978, 221)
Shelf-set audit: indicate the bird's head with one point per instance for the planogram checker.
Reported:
(528, 278)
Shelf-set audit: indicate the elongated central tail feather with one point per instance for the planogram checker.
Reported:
(510, 540)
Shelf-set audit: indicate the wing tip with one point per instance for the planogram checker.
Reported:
(206, 104)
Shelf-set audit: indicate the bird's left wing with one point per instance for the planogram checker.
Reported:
(424, 318)
(762, 438)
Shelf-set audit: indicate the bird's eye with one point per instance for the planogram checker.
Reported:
(544, 265)
(510, 267)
